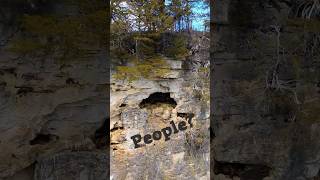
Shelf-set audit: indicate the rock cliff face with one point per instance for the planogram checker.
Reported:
(265, 60)
(148, 105)
(51, 113)
(48, 108)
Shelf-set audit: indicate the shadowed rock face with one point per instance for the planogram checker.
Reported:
(73, 166)
(265, 99)
(243, 171)
(48, 107)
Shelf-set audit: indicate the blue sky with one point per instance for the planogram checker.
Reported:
(200, 9)
(200, 13)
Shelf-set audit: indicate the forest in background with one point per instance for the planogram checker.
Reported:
(143, 32)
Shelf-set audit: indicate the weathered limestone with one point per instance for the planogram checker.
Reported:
(47, 107)
(149, 106)
(44, 114)
(264, 92)
(73, 166)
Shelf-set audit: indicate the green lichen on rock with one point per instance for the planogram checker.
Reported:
(150, 68)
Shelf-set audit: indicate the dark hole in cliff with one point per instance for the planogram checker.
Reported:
(115, 129)
(212, 134)
(123, 105)
(42, 139)
(101, 135)
(71, 81)
(244, 171)
(158, 97)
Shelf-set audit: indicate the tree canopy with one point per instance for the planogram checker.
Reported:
(145, 31)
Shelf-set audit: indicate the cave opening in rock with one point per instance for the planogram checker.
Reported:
(158, 97)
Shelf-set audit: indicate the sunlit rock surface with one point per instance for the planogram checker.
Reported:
(147, 105)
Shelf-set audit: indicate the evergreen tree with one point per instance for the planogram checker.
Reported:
(145, 30)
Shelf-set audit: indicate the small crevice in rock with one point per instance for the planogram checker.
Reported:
(158, 97)
(212, 133)
(42, 139)
(123, 105)
(116, 128)
(246, 125)
(100, 136)
(243, 171)
(24, 90)
(45, 91)
(71, 81)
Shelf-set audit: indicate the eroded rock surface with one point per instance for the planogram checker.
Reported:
(73, 166)
(148, 105)
(266, 90)
(46, 113)
(47, 106)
